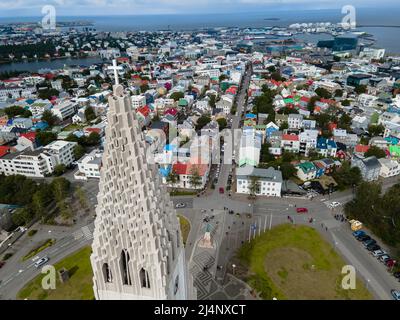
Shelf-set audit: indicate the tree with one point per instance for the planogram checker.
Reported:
(15, 111)
(144, 88)
(345, 121)
(213, 99)
(90, 115)
(79, 151)
(346, 176)
(203, 121)
(93, 139)
(60, 187)
(172, 178)
(323, 93)
(376, 130)
(45, 137)
(195, 178)
(346, 103)
(177, 96)
(339, 93)
(276, 76)
(311, 103)
(284, 125)
(40, 200)
(222, 123)
(271, 69)
(48, 93)
(59, 170)
(266, 156)
(223, 77)
(254, 186)
(50, 118)
(360, 89)
(22, 216)
(288, 170)
(375, 151)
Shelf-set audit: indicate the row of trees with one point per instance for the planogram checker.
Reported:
(35, 198)
(379, 212)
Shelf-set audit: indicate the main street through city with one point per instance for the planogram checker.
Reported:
(250, 218)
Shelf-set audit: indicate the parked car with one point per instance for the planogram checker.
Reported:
(369, 242)
(358, 233)
(363, 237)
(301, 210)
(384, 258)
(41, 262)
(379, 253)
(397, 275)
(389, 263)
(180, 205)
(395, 294)
(2, 263)
(221, 190)
(373, 247)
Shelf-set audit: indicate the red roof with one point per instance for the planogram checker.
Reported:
(145, 111)
(361, 148)
(290, 137)
(328, 101)
(4, 150)
(171, 111)
(187, 168)
(305, 99)
(90, 130)
(30, 136)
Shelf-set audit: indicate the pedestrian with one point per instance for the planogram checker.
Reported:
(326, 228)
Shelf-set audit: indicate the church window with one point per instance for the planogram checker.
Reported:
(144, 279)
(176, 288)
(107, 273)
(124, 264)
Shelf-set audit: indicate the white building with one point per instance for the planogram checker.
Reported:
(138, 102)
(250, 148)
(389, 168)
(261, 182)
(295, 121)
(89, 166)
(65, 109)
(61, 151)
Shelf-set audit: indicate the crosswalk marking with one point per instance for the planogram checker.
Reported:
(87, 233)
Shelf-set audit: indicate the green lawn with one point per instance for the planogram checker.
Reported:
(185, 227)
(78, 287)
(295, 263)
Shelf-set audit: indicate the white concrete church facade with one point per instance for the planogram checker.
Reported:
(138, 253)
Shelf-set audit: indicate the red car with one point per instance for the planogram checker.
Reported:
(2, 263)
(221, 190)
(302, 210)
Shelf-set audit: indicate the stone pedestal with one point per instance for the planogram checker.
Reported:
(64, 275)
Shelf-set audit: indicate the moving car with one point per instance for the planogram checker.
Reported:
(334, 204)
(301, 210)
(2, 263)
(395, 294)
(41, 262)
(180, 205)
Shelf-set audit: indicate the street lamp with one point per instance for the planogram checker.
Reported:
(368, 281)
(233, 268)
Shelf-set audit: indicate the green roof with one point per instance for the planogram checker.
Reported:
(394, 150)
(306, 166)
(183, 102)
(289, 100)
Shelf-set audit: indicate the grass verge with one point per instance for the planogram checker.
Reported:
(34, 252)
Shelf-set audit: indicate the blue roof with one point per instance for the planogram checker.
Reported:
(170, 147)
(251, 116)
(392, 140)
(30, 101)
(164, 171)
(323, 143)
(42, 125)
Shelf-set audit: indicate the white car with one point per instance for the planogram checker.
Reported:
(334, 204)
(41, 262)
(378, 253)
(180, 205)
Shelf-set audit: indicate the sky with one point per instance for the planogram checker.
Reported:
(18, 8)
